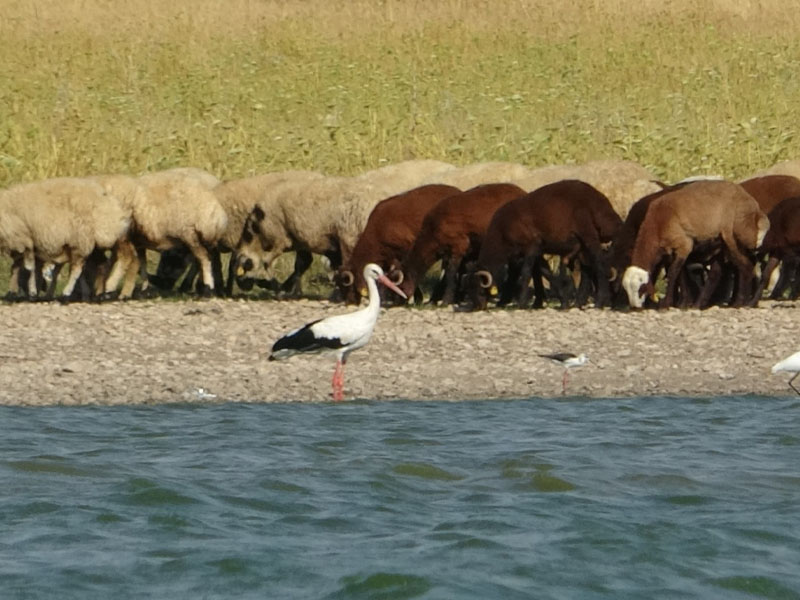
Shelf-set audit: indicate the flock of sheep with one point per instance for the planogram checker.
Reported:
(103, 225)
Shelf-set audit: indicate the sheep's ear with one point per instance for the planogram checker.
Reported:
(259, 214)
(247, 235)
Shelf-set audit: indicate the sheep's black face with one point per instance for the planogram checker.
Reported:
(345, 282)
(478, 294)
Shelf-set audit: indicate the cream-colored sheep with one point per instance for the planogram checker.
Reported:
(408, 174)
(60, 220)
(786, 167)
(238, 198)
(168, 208)
(297, 216)
(324, 216)
(622, 181)
(476, 174)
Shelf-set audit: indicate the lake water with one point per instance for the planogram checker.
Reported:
(575, 498)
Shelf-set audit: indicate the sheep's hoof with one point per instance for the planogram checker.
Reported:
(106, 296)
(147, 294)
(205, 291)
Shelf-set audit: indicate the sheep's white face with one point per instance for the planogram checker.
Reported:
(632, 281)
(763, 228)
(773, 279)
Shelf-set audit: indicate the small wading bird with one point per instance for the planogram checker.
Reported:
(790, 364)
(568, 361)
(339, 334)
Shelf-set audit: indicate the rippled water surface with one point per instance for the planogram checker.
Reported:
(640, 498)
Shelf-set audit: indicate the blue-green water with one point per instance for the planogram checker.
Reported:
(640, 498)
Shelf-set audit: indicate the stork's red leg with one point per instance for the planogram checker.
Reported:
(564, 382)
(338, 381)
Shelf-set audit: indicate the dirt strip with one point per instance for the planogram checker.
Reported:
(216, 350)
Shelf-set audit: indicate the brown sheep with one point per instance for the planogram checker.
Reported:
(769, 190)
(452, 231)
(390, 231)
(566, 218)
(700, 212)
(782, 241)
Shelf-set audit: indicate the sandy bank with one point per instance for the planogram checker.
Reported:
(158, 351)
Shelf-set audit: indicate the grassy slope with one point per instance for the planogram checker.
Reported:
(251, 86)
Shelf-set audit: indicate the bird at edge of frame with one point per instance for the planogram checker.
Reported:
(568, 361)
(790, 364)
(338, 334)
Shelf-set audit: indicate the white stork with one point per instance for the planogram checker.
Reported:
(338, 334)
(568, 361)
(790, 364)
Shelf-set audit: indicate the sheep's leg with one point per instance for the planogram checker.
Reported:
(683, 290)
(791, 265)
(29, 262)
(202, 256)
(525, 274)
(93, 276)
(440, 287)
(75, 270)
(511, 284)
(216, 268)
(584, 288)
(141, 255)
(673, 274)
(540, 270)
(41, 280)
(231, 275)
(598, 264)
(451, 266)
(14, 277)
(51, 288)
(302, 261)
(766, 274)
(709, 286)
(128, 263)
(745, 267)
(192, 271)
(784, 279)
(121, 263)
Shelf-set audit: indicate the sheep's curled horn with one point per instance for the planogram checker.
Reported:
(485, 278)
(397, 277)
(347, 278)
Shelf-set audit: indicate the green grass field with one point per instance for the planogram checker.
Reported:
(249, 86)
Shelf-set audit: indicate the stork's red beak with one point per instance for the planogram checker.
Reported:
(390, 284)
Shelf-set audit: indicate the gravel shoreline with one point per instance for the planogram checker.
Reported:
(216, 350)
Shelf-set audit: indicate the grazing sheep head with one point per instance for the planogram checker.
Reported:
(397, 274)
(258, 246)
(635, 282)
(344, 278)
(482, 287)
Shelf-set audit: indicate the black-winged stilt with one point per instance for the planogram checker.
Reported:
(338, 334)
(568, 361)
(790, 364)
